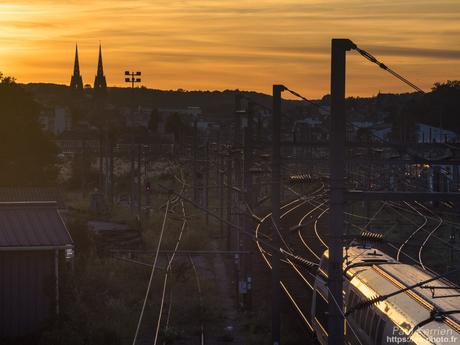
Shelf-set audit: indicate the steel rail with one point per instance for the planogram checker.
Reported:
(414, 232)
(170, 261)
(437, 226)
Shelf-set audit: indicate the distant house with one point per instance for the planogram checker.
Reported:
(427, 134)
(371, 130)
(33, 242)
(138, 117)
(80, 140)
(309, 129)
(56, 119)
(192, 112)
(382, 131)
(189, 114)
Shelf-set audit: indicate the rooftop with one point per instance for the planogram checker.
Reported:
(32, 225)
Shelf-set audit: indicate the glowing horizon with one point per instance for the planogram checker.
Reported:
(223, 44)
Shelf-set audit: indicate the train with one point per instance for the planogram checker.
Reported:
(375, 313)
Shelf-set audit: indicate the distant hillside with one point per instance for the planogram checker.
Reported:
(440, 107)
(213, 103)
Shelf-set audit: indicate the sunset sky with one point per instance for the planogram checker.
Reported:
(223, 44)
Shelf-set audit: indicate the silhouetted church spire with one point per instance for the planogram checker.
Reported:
(99, 82)
(76, 82)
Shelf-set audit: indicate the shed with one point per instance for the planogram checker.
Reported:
(35, 194)
(33, 238)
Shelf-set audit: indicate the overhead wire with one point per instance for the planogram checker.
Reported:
(374, 60)
(168, 270)
(171, 259)
(147, 292)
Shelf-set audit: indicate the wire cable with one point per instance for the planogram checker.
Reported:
(319, 107)
(151, 274)
(372, 59)
(168, 270)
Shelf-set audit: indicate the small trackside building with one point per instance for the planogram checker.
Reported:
(33, 242)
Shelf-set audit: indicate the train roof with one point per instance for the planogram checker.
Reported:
(375, 273)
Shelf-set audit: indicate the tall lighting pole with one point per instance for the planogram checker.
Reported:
(134, 77)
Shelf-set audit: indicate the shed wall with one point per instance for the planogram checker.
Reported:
(27, 291)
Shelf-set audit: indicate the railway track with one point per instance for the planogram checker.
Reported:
(293, 285)
(145, 334)
(310, 213)
(200, 296)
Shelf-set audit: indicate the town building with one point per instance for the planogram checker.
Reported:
(55, 119)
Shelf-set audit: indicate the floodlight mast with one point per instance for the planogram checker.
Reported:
(132, 77)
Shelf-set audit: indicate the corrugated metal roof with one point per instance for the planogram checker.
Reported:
(32, 224)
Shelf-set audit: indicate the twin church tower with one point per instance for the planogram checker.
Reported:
(76, 82)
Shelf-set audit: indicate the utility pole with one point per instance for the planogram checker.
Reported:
(237, 196)
(195, 154)
(131, 176)
(249, 197)
(228, 172)
(206, 181)
(221, 186)
(111, 174)
(101, 160)
(276, 212)
(237, 160)
(436, 182)
(337, 185)
(139, 184)
(83, 167)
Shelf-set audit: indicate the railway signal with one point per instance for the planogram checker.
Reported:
(148, 192)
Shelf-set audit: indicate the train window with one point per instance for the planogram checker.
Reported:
(374, 326)
(380, 332)
(321, 312)
(362, 317)
(351, 299)
(370, 316)
(357, 313)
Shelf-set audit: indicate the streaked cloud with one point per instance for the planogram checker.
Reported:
(220, 44)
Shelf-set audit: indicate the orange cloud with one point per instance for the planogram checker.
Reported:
(221, 44)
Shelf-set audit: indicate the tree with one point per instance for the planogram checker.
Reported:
(438, 108)
(175, 124)
(447, 86)
(27, 154)
(154, 120)
(404, 123)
